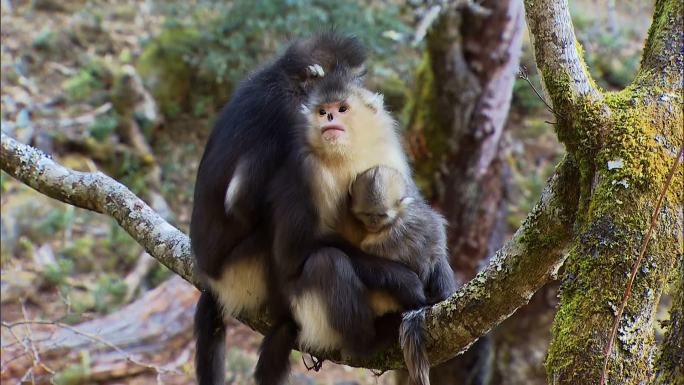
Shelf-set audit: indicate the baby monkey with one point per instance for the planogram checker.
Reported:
(400, 225)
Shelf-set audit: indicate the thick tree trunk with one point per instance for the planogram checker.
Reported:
(625, 143)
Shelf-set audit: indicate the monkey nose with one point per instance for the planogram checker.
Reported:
(330, 116)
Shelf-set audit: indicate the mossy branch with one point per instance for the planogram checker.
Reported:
(520, 268)
(663, 58)
(559, 57)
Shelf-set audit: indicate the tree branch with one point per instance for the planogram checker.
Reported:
(520, 268)
(663, 58)
(558, 54)
(100, 193)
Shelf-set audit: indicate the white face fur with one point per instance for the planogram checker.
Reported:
(345, 127)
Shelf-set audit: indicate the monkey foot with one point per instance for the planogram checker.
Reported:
(316, 363)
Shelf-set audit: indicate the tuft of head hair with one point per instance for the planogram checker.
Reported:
(381, 186)
(334, 87)
(331, 50)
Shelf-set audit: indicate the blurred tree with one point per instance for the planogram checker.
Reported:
(457, 118)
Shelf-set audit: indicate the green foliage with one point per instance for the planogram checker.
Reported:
(196, 61)
(76, 374)
(4, 182)
(103, 127)
(239, 364)
(131, 172)
(158, 275)
(524, 96)
(93, 77)
(612, 58)
(109, 293)
(81, 251)
(45, 40)
(122, 248)
(56, 274)
(55, 221)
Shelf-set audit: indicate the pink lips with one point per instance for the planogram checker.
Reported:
(330, 127)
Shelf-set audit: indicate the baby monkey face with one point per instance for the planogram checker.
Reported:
(379, 197)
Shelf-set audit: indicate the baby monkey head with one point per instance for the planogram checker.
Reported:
(379, 197)
(343, 118)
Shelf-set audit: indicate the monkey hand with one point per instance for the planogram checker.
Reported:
(315, 70)
(410, 292)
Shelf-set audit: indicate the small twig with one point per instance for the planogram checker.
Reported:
(635, 267)
(26, 376)
(29, 333)
(126, 356)
(522, 73)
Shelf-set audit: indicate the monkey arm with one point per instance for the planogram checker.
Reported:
(441, 283)
(384, 274)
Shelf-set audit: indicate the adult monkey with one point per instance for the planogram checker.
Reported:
(231, 220)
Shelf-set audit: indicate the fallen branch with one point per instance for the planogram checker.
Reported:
(159, 322)
(520, 268)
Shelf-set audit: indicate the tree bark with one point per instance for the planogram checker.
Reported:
(625, 144)
(670, 364)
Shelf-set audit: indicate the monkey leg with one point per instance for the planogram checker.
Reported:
(273, 365)
(210, 332)
(331, 305)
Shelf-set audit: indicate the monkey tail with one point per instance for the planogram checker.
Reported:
(412, 340)
(210, 334)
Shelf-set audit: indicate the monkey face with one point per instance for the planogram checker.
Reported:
(331, 121)
(347, 121)
(376, 221)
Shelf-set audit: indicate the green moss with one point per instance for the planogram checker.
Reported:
(165, 65)
(638, 133)
(639, 140)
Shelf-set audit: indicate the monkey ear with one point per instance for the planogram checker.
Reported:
(374, 101)
(359, 74)
(405, 202)
(304, 109)
(379, 101)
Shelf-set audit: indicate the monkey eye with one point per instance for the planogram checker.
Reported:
(343, 108)
(321, 112)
